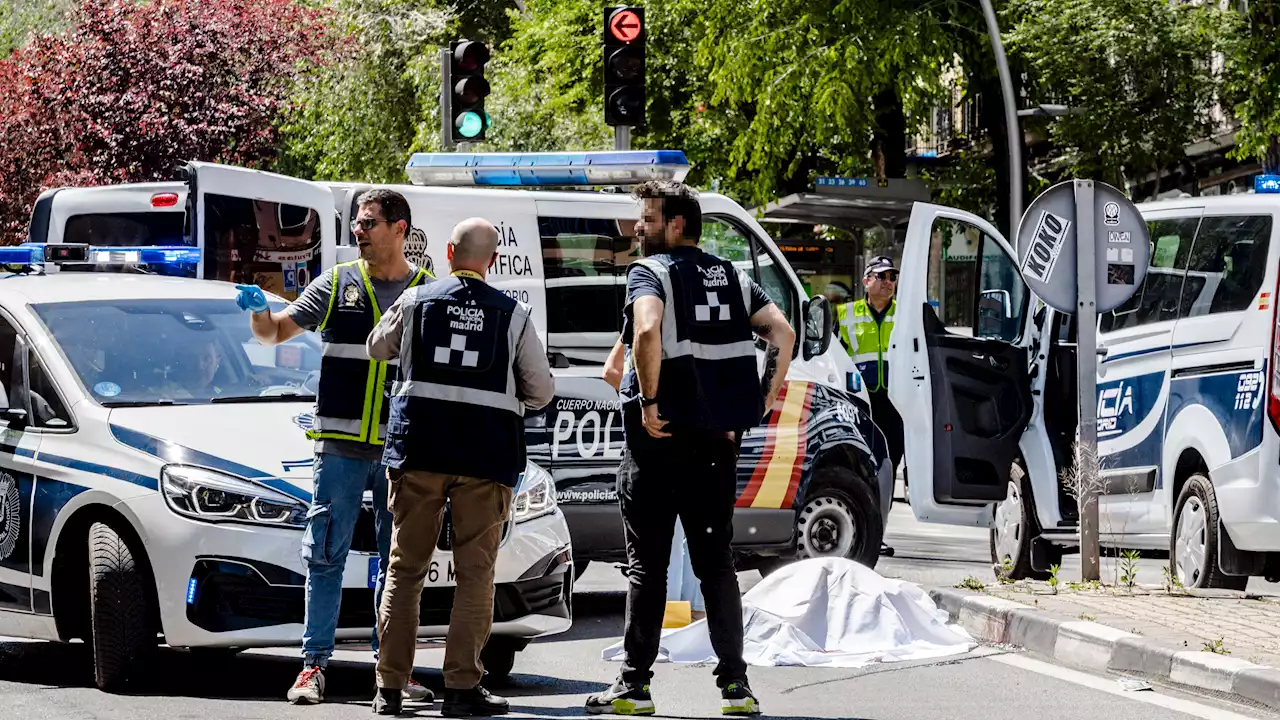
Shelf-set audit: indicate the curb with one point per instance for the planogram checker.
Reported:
(1099, 647)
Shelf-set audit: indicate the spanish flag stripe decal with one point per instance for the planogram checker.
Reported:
(748, 495)
(793, 485)
(787, 447)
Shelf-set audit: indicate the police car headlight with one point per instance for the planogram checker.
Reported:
(211, 496)
(535, 494)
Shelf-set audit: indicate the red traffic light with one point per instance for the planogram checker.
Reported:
(625, 25)
(469, 55)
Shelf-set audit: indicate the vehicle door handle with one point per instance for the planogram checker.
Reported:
(1102, 352)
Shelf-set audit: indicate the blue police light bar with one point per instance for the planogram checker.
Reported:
(80, 254)
(1267, 184)
(622, 167)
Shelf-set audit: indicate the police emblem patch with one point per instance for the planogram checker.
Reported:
(351, 296)
(305, 421)
(10, 515)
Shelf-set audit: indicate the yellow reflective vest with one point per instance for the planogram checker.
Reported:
(867, 340)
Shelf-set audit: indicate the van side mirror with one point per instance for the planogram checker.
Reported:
(995, 309)
(818, 324)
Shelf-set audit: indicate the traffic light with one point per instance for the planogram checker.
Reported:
(466, 68)
(624, 66)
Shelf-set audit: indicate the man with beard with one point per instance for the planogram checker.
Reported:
(689, 388)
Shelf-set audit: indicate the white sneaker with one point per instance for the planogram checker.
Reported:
(308, 689)
(414, 690)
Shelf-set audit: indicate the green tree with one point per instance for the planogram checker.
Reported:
(1253, 70)
(19, 19)
(1138, 73)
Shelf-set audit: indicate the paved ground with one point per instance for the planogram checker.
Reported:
(553, 676)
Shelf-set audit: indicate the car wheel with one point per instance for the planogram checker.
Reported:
(120, 615)
(499, 657)
(840, 518)
(1193, 546)
(1016, 526)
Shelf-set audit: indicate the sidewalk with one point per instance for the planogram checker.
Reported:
(1222, 641)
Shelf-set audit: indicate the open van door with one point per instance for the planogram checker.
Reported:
(959, 364)
(256, 227)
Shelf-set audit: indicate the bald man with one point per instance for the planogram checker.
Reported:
(470, 365)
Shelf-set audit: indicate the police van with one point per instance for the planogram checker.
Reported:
(156, 476)
(813, 479)
(1188, 399)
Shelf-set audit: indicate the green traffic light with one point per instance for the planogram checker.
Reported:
(469, 124)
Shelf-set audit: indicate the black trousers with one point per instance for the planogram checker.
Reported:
(886, 417)
(690, 475)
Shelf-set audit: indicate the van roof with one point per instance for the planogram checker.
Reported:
(1247, 202)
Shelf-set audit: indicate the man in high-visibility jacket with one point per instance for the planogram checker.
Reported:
(865, 326)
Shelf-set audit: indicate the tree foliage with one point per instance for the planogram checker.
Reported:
(19, 19)
(1253, 71)
(1138, 74)
(133, 89)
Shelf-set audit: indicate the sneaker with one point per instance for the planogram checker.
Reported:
(736, 699)
(622, 699)
(415, 691)
(387, 702)
(308, 689)
(471, 703)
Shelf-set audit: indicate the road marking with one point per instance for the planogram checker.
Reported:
(1109, 686)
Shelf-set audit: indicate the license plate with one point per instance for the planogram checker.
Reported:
(441, 572)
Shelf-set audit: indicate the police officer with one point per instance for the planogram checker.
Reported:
(690, 388)
(470, 365)
(865, 326)
(343, 304)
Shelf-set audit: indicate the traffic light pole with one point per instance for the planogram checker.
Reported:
(446, 100)
(621, 137)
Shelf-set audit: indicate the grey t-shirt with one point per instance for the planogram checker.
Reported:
(308, 312)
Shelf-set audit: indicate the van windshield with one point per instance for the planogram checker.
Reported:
(177, 351)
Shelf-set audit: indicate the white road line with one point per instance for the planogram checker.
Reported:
(1109, 686)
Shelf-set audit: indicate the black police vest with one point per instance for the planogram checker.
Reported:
(455, 410)
(709, 378)
(351, 402)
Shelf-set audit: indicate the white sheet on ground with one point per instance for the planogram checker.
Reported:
(826, 612)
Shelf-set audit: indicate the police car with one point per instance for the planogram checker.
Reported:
(813, 479)
(1188, 396)
(155, 475)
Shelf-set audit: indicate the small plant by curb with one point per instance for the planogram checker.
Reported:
(1216, 647)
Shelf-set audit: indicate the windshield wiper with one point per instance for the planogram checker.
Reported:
(142, 403)
(281, 397)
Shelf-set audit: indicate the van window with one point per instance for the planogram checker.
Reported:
(722, 238)
(1157, 299)
(126, 229)
(1227, 264)
(585, 261)
(272, 245)
(1002, 296)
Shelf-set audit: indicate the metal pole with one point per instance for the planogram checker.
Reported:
(446, 100)
(1087, 381)
(1010, 121)
(621, 137)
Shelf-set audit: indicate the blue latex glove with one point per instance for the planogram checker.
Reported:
(251, 298)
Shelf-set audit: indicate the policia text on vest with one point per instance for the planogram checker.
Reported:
(471, 363)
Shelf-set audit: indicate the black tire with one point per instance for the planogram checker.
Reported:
(1028, 528)
(1198, 499)
(119, 608)
(838, 502)
(499, 657)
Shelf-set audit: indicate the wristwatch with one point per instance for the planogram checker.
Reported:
(646, 402)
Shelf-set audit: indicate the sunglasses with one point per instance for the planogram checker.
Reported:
(890, 275)
(367, 224)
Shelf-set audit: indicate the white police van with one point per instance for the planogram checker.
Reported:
(1188, 412)
(813, 480)
(155, 475)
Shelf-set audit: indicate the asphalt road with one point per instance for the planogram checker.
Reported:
(46, 681)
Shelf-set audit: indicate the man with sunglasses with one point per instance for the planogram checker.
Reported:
(343, 305)
(865, 326)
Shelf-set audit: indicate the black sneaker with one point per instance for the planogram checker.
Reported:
(622, 699)
(736, 699)
(471, 703)
(387, 702)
